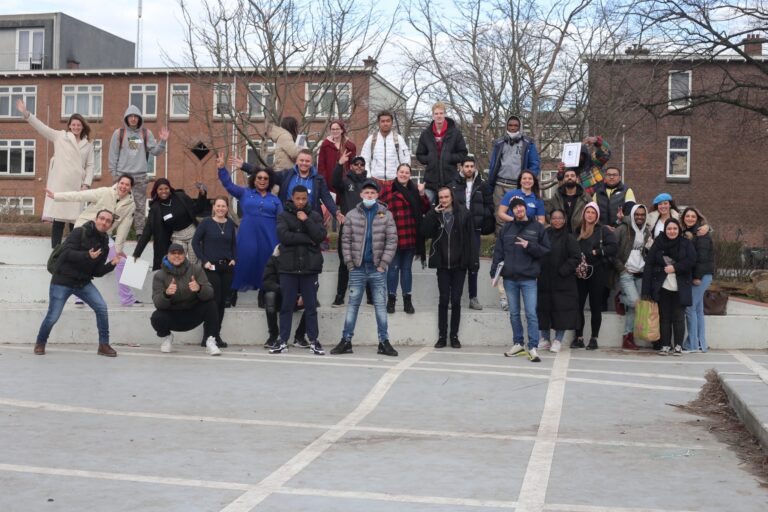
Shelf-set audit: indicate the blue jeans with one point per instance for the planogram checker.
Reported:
(631, 287)
(558, 335)
(57, 297)
(528, 290)
(401, 265)
(694, 317)
(358, 278)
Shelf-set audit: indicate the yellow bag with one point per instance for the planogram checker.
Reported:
(647, 320)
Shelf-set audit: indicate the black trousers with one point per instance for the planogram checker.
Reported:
(291, 286)
(221, 280)
(450, 286)
(273, 301)
(57, 231)
(166, 320)
(592, 288)
(671, 318)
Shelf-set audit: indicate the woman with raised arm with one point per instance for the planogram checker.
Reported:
(331, 150)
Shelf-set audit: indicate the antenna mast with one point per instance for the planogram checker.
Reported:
(138, 38)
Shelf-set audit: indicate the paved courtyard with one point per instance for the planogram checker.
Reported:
(451, 430)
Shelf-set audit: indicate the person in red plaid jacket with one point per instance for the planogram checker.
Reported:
(408, 204)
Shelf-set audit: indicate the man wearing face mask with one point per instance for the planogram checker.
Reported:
(570, 198)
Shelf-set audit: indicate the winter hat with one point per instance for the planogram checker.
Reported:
(591, 204)
(370, 184)
(662, 197)
(357, 159)
(516, 201)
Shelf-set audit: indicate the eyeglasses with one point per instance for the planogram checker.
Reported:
(262, 178)
(612, 175)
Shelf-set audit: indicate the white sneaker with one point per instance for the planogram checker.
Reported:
(515, 350)
(211, 348)
(555, 346)
(544, 344)
(678, 351)
(533, 355)
(664, 351)
(503, 304)
(165, 346)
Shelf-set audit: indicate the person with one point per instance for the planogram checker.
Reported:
(215, 245)
(71, 168)
(557, 291)
(520, 246)
(257, 236)
(183, 299)
(300, 231)
(370, 242)
(407, 203)
(571, 198)
(510, 155)
(83, 257)
(452, 253)
(703, 270)
(472, 193)
(667, 281)
(610, 195)
(129, 152)
(118, 200)
(527, 188)
(632, 237)
(273, 299)
(595, 153)
(385, 150)
(284, 136)
(663, 209)
(598, 246)
(331, 150)
(172, 218)
(348, 186)
(441, 149)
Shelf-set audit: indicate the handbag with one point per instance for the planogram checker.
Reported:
(618, 305)
(647, 320)
(584, 270)
(715, 302)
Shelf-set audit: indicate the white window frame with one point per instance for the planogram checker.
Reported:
(269, 156)
(218, 89)
(145, 90)
(152, 165)
(179, 93)
(318, 100)
(93, 91)
(687, 152)
(97, 152)
(678, 103)
(13, 92)
(22, 145)
(25, 205)
(26, 64)
(264, 91)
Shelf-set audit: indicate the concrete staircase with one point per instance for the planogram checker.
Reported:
(24, 284)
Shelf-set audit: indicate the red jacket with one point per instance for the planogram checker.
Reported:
(401, 210)
(329, 157)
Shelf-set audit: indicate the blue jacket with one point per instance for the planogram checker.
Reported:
(320, 192)
(520, 263)
(530, 158)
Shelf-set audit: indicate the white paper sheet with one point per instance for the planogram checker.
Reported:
(571, 151)
(497, 275)
(135, 273)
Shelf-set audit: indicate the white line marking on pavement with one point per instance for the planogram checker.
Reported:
(533, 491)
(632, 385)
(305, 457)
(400, 498)
(656, 361)
(637, 444)
(591, 508)
(744, 359)
(639, 374)
(480, 372)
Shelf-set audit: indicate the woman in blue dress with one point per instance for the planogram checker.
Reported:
(257, 236)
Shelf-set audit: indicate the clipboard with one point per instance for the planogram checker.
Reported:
(135, 273)
(571, 153)
(497, 275)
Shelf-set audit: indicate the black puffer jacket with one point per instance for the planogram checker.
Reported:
(300, 241)
(270, 282)
(441, 167)
(654, 275)
(705, 252)
(520, 263)
(558, 295)
(348, 185)
(481, 203)
(75, 267)
(451, 249)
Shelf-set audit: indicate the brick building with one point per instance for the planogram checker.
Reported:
(668, 138)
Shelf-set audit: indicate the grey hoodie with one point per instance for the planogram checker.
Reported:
(129, 155)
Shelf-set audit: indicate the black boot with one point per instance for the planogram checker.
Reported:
(455, 343)
(343, 347)
(391, 303)
(592, 344)
(220, 343)
(386, 349)
(407, 304)
(440, 343)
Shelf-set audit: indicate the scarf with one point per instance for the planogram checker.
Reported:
(411, 194)
(439, 136)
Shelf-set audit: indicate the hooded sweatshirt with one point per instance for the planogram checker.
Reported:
(129, 156)
(636, 262)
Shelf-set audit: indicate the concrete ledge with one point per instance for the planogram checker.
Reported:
(750, 401)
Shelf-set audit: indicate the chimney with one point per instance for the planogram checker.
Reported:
(370, 63)
(73, 64)
(637, 49)
(753, 45)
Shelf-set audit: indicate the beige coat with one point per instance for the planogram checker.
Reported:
(286, 149)
(104, 198)
(69, 170)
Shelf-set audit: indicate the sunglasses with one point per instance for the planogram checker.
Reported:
(262, 178)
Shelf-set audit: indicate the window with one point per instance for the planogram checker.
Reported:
(268, 155)
(258, 94)
(678, 157)
(17, 157)
(151, 165)
(21, 205)
(223, 99)
(144, 97)
(547, 177)
(97, 158)
(9, 95)
(555, 149)
(29, 49)
(85, 100)
(327, 100)
(679, 89)
(180, 101)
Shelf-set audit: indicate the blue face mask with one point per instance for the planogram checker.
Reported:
(368, 203)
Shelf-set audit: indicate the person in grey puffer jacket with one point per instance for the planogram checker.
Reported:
(129, 152)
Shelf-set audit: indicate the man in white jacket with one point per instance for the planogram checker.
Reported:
(385, 150)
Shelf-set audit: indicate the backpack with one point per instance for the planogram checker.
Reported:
(121, 137)
(53, 259)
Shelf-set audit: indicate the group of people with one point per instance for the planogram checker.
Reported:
(549, 257)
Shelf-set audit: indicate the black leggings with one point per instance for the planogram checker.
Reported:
(671, 318)
(592, 287)
(57, 231)
(221, 280)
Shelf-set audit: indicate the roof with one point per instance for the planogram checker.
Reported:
(675, 57)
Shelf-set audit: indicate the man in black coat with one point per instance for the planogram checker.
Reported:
(300, 231)
(83, 257)
(441, 149)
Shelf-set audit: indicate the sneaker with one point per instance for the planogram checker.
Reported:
(678, 351)
(664, 351)
(136, 304)
(316, 348)
(592, 344)
(577, 342)
(210, 347)
(300, 342)
(279, 348)
(455, 343)
(271, 342)
(166, 345)
(386, 349)
(544, 344)
(533, 355)
(343, 347)
(515, 350)
(338, 302)
(475, 304)
(555, 346)
(441, 343)
(503, 304)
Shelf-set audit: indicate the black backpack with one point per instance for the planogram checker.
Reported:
(53, 259)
